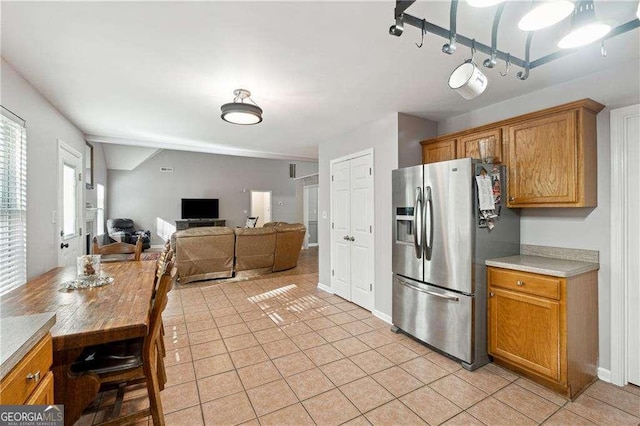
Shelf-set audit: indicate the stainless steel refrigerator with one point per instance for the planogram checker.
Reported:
(441, 240)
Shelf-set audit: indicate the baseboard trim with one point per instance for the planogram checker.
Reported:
(604, 374)
(325, 288)
(384, 317)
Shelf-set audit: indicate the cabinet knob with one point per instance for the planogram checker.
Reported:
(34, 376)
(520, 283)
(491, 294)
(512, 198)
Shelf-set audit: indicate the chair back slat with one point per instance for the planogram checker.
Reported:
(118, 248)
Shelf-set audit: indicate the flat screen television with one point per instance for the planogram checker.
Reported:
(199, 208)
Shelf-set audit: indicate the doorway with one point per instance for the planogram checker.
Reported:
(310, 214)
(261, 207)
(70, 212)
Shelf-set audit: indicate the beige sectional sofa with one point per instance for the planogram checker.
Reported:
(220, 252)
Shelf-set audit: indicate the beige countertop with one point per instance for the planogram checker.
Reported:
(18, 335)
(544, 265)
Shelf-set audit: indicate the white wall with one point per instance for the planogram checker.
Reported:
(382, 136)
(572, 228)
(412, 130)
(45, 124)
(146, 194)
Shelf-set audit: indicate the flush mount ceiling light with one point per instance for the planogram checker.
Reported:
(585, 29)
(545, 14)
(239, 112)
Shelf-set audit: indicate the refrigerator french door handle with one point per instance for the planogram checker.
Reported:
(430, 293)
(417, 222)
(428, 239)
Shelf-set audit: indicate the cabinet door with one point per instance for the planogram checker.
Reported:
(525, 330)
(542, 161)
(468, 145)
(439, 151)
(43, 394)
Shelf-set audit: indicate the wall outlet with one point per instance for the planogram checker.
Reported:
(54, 216)
(245, 211)
(324, 214)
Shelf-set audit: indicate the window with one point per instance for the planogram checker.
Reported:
(13, 201)
(69, 206)
(100, 212)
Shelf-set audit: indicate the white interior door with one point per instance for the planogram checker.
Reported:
(340, 216)
(633, 279)
(352, 254)
(361, 221)
(70, 213)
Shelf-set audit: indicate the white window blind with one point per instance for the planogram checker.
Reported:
(100, 212)
(13, 201)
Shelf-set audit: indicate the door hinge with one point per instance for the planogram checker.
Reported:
(331, 178)
(369, 171)
(332, 225)
(79, 177)
(370, 229)
(370, 287)
(333, 273)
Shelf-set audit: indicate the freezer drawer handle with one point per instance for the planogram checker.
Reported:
(417, 220)
(430, 293)
(520, 283)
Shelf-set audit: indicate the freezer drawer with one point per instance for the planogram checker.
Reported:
(442, 319)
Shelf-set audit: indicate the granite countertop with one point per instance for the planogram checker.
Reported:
(18, 335)
(544, 265)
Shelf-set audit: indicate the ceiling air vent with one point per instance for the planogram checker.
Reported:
(166, 169)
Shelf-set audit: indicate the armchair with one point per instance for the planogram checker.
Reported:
(122, 230)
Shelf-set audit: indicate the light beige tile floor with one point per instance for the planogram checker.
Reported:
(275, 350)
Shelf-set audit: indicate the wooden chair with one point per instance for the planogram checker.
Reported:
(118, 248)
(141, 365)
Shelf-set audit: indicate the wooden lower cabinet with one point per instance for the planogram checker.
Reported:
(43, 395)
(30, 381)
(545, 328)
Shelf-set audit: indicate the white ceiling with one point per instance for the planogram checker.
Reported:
(155, 73)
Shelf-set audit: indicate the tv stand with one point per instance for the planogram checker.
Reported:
(194, 223)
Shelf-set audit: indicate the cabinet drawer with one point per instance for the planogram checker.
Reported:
(43, 395)
(523, 282)
(15, 388)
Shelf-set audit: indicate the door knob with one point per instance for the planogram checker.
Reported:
(352, 239)
(346, 238)
(64, 245)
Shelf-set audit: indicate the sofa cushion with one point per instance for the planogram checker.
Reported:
(255, 249)
(289, 240)
(204, 253)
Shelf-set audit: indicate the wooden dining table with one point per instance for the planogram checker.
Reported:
(85, 317)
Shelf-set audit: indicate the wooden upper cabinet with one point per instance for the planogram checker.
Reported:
(543, 156)
(468, 145)
(553, 159)
(433, 152)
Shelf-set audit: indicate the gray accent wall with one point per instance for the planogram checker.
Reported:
(583, 228)
(153, 198)
(412, 130)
